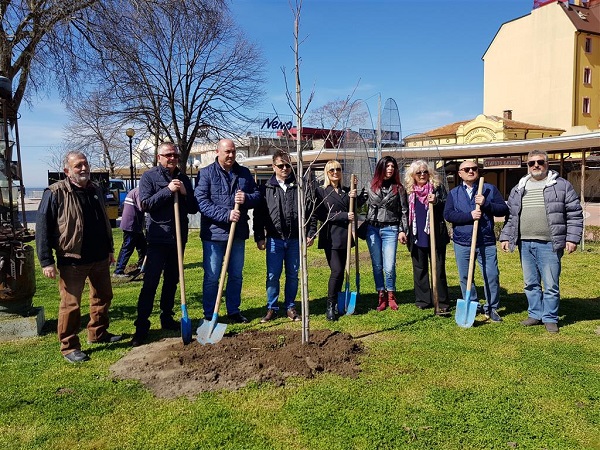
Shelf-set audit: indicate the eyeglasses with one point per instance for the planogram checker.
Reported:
(282, 166)
(539, 162)
(422, 172)
(169, 155)
(470, 169)
(337, 169)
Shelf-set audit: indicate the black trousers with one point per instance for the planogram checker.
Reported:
(336, 258)
(420, 262)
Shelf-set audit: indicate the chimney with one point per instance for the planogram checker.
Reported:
(508, 114)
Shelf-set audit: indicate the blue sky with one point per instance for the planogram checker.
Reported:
(426, 55)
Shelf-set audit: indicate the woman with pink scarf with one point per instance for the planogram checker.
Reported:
(424, 189)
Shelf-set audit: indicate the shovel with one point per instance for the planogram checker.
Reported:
(347, 299)
(434, 292)
(211, 332)
(466, 310)
(186, 323)
(140, 271)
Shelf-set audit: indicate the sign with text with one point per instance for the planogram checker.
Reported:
(513, 162)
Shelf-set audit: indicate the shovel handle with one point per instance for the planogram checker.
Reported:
(225, 263)
(432, 246)
(350, 223)
(179, 246)
(473, 244)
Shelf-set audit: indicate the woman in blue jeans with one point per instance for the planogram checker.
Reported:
(386, 225)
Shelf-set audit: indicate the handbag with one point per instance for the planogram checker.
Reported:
(361, 231)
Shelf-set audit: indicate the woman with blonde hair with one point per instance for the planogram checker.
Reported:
(424, 189)
(332, 203)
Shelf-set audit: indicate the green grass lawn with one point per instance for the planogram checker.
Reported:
(425, 382)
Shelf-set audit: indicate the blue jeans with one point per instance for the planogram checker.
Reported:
(278, 251)
(213, 253)
(487, 260)
(541, 265)
(382, 244)
(131, 242)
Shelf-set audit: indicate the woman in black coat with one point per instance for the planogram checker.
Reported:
(332, 203)
(424, 189)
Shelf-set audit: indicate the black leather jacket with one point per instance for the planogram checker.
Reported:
(387, 207)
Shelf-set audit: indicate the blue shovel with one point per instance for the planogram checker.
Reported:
(347, 299)
(186, 323)
(466, 310)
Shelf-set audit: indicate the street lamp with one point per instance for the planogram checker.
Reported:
(130, 132)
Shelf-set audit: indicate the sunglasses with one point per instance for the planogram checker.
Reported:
(169, 155)
(539, 162)
(470, 169)
(282, 166)
(422, 172)
(337, 169)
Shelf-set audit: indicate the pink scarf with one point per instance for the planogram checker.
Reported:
(419, 193)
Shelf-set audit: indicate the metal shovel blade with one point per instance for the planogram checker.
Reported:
(351, 305)
(466, 310)
(186, 326)
(210, 332)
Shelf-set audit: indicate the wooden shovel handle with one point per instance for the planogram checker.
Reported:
(350, 223)
(432, 227)
(474, 241)
(179, 246)
(225, 262)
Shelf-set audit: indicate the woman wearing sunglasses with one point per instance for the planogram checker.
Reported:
(386, 225)
(425, 191)
(333, 211)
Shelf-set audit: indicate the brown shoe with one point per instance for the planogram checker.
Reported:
(530, 322)
(271, 314)
(293, 315)
(551, 327)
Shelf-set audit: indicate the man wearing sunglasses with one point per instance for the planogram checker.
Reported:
(545, 219)
(220, 186)
(460, 211)
(276, 231)
(157, 189)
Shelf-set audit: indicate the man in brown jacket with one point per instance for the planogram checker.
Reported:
(72, 221)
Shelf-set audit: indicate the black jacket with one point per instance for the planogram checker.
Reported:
(332, 211)
(157, 200)
(442, 238)
(276, 215)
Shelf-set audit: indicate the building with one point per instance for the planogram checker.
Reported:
(545, 67)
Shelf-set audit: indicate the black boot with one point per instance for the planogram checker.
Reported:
(330, 312)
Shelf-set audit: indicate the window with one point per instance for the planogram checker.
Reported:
(588, 45)
(587, 75)
(587, 105)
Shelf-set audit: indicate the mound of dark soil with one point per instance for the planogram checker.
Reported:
(170, 369)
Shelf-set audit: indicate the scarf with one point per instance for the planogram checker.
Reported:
(419, 193)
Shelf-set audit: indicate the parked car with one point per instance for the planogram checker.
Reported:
(117, 187)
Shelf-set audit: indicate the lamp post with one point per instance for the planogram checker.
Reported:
(130, 132)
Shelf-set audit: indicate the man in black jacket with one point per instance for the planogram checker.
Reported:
(157, 189)
(276, 219)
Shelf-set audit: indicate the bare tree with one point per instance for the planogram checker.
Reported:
(338, 113)
(37, 42)
(94, 130)
(174, 66)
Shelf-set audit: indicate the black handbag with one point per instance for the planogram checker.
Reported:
(361, 231)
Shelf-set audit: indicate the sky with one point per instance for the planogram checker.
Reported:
(425, 55)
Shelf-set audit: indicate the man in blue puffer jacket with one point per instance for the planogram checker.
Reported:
(545, 219)
(219, 187)
(461, 213)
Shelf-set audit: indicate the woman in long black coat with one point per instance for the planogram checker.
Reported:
(332, 203)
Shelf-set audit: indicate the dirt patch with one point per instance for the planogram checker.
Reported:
(170, 369)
